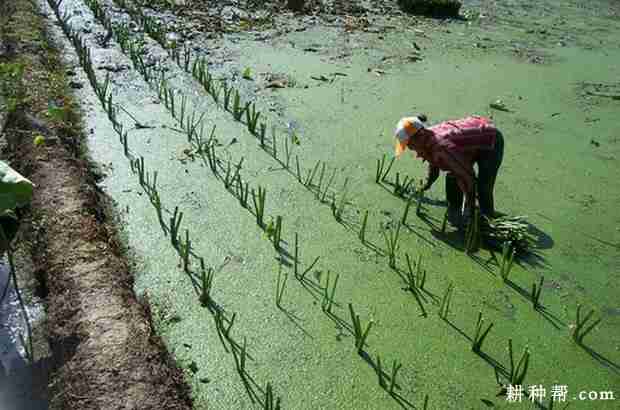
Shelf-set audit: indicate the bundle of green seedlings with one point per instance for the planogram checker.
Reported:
(513, 229)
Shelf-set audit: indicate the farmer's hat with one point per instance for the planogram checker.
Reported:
(405, 130)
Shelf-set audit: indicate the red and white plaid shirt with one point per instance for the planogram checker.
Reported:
(453, 146)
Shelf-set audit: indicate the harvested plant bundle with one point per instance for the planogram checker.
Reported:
(507, 229)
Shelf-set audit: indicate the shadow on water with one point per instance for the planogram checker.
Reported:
(402, 402)
(532, 257)
(603, 361)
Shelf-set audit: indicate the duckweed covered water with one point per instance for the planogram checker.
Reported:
(559, 168)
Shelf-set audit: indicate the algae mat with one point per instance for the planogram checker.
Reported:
(561, 156)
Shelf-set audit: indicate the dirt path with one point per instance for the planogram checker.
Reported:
(107, 355)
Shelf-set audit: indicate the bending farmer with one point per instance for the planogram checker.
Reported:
(455, 146)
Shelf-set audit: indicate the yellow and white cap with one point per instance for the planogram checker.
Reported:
(407, 127)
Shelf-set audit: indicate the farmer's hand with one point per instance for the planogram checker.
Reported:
(433, 174)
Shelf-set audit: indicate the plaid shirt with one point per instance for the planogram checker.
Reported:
(454, 146)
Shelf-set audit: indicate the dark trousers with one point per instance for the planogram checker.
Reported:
(488, 166)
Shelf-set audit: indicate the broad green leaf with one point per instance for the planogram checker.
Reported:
(15, 190)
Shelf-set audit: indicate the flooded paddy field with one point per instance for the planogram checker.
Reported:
(240, 146)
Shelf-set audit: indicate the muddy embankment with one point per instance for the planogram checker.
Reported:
(104, 351)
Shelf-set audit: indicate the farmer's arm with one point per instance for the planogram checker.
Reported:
(467, 186)
(463, 171)
(433, 174)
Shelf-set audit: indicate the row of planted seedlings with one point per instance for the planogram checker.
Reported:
(198, 67)
(232, 178)
(323, 189)
(415, 281)
(230, 174)
(406, 189)
(515, 374)
(227, 97)
(203, 280)
(206, 148)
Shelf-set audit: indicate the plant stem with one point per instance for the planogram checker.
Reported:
(386, 173)
(362, 234)
(303, 275)
(443, 223)
(536, 293)
(280, 286)
(406, 212)
(298, 168)
(380, 372)
(578, 332)
(296, 261)
(207, 276)
(395, 368)
(480, 335)
(379, 172)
